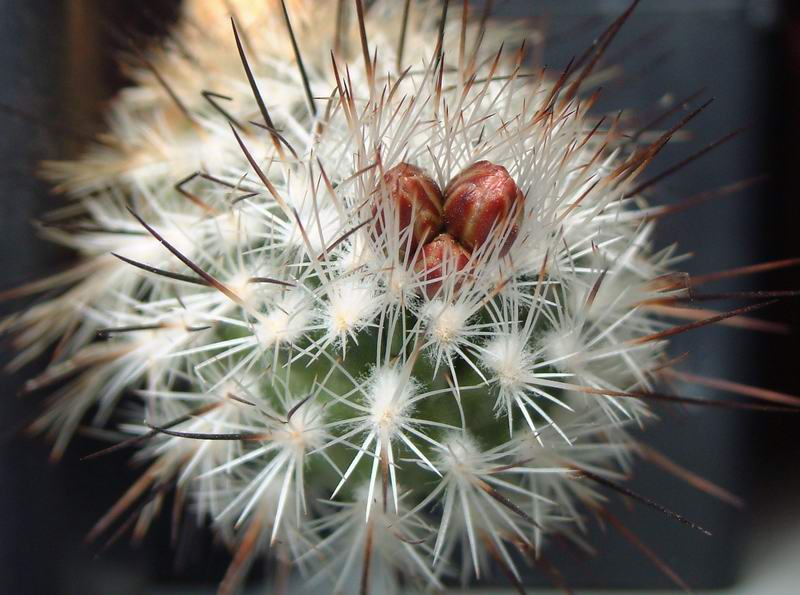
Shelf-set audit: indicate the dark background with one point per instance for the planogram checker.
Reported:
(57, 65)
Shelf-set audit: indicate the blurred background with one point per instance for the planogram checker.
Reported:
(58, 71)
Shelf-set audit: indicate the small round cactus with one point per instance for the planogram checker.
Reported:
(337, 363)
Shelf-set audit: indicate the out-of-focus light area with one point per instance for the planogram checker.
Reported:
(57, 65)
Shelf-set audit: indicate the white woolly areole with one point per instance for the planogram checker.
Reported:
(350, 304)
(388, 398)
(564, 349)
(462, 457)
(445, 322)
(287, 320)
(509, 360)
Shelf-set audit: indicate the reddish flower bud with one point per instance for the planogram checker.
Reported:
(441, 257)
(411, 191)
(480, 198)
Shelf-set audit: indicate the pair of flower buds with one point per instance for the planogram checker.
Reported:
(475, 208)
